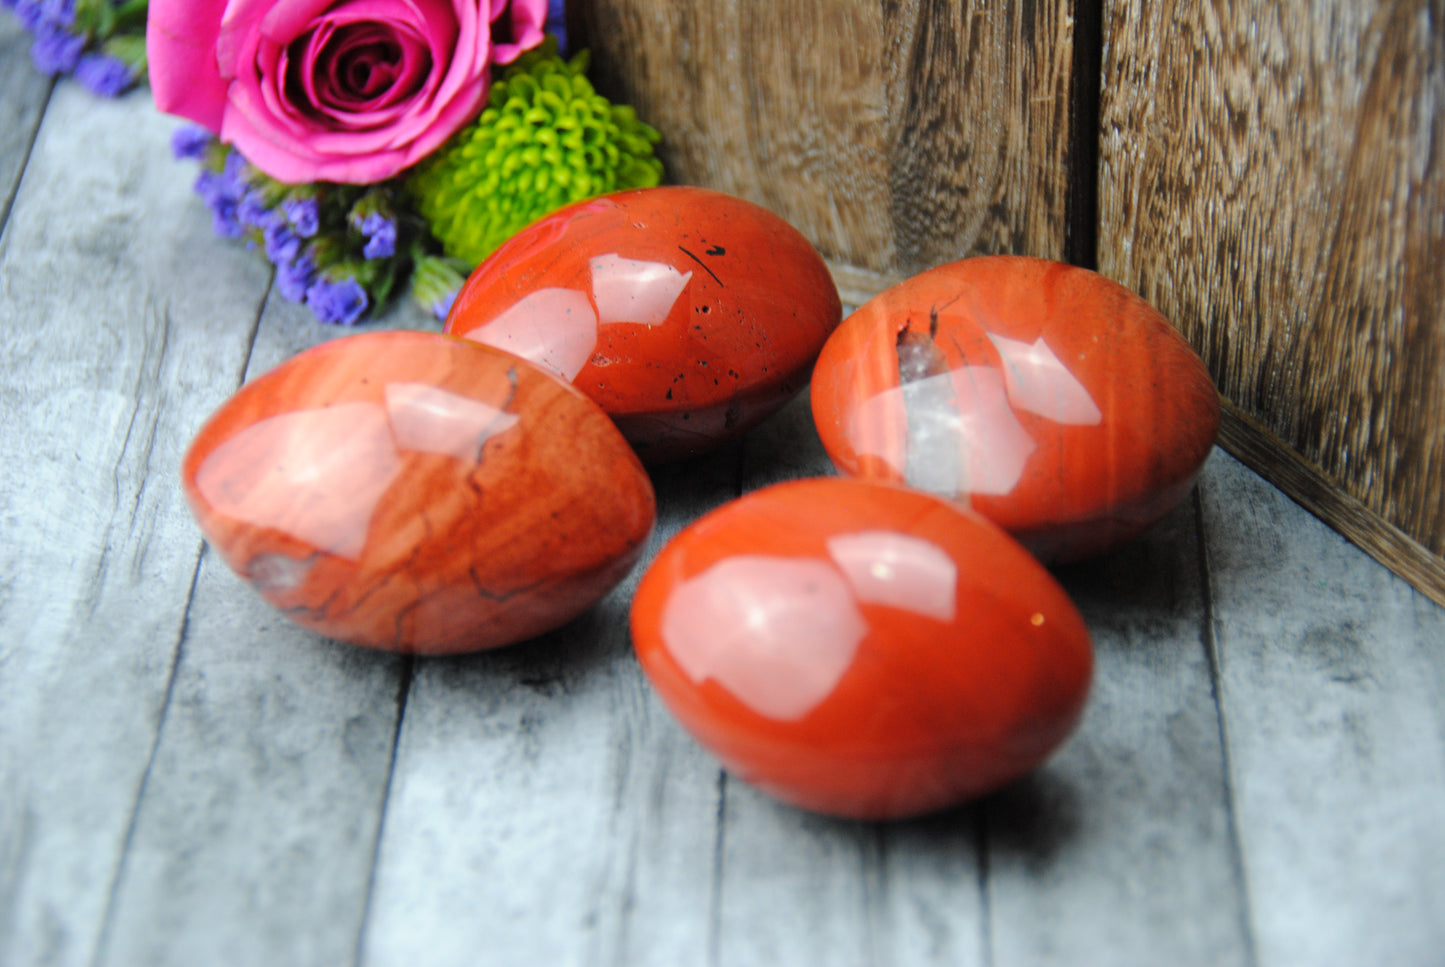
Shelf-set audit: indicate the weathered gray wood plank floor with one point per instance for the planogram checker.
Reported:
(186, 779)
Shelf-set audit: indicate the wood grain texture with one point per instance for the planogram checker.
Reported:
(272, 763)
(828, 875)
(1129, 826)
(895, 135)
(121, 322)
(1335, 731)
(856, 286)
(540, 810)
(26, 93)
(980, 96)
(1270, 178)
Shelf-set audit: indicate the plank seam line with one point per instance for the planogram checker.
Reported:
(7, 205)
(985, 919)
(403, 692)
(714, 909)
(256, 330)
(107, 918)
(1216, 688)
(1081, 207)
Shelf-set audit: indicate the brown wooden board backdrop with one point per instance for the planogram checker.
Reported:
(1270, 175)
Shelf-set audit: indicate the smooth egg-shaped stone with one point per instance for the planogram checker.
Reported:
(688, 315)
(1053, 401)
(860, 649)
(419, 493)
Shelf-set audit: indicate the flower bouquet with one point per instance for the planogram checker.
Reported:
(362, 144)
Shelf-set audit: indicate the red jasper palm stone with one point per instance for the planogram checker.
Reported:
(688, 315)
(415, 492)
(1053, 401)
(860, 649)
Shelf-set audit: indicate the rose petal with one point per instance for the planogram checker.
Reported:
(286, 20)
(274, 61)
(243, 28)
(465, 79)
(432, 20)
(528, 19)
(400, 65)
(470, 50)
(418, 71)
(443, 120)
(181, 51)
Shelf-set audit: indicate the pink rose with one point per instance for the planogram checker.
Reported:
(333, 90)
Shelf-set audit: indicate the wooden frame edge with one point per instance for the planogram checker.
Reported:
(1307, 485)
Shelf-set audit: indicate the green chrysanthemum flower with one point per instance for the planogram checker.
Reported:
(546, 139)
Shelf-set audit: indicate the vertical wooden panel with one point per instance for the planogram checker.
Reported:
(1271, 178)
(979, 159)
(781, 103)
(896, 135)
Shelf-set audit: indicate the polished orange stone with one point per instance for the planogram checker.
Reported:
(860, 649)
(688, 315)
(419, 493)
(1053, 401)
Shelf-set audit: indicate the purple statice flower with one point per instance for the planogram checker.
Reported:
(189, 141)
(209, 185)
(34, 14)
(223, 220)
(341, 302)
(221, 195)
(103, 75)
(293, 279)
(380, 233)
(8, 4)
(37, 16)
(282, 244)
(61, 13)
(30, 12)
(228, 182)
(56, 50)
(235, 167)
(223, 192)
(253, 213)
(443, 304)
(304, 214)
(557, 23)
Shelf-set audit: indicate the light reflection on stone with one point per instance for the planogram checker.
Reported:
(977, 423)
(433, 420)
(1039, 382)
(554, 328)
(635, 291)
(318, 475)
(315, 474)
(898, 570)
(778, 633)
